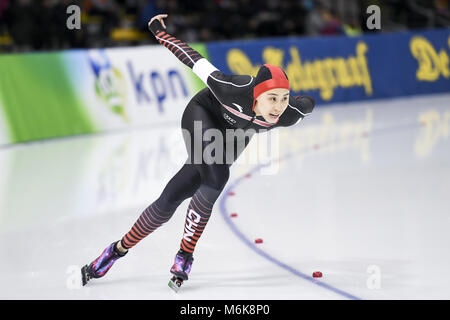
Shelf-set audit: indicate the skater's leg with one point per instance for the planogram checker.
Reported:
(100, 266)
(196, 121)
(214, 178)
(213, 175)
(180, 187)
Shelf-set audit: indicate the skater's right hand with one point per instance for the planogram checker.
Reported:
(160, 18)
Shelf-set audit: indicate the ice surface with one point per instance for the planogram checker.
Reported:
(361, 193)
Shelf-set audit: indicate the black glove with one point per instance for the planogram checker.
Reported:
(307, 103)
(155, 26)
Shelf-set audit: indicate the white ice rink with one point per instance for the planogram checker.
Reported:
(361, 192)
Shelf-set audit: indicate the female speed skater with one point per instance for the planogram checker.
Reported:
(229, 102)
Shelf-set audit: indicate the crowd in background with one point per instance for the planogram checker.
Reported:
(31, 25)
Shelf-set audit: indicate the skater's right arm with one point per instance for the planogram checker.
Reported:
(222, 85)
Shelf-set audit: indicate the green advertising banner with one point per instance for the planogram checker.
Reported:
(38, 98)
(48, 95)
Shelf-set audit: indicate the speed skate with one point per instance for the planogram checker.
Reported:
(175, 283)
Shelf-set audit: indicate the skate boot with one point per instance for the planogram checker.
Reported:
(180, 269)
(100, 266)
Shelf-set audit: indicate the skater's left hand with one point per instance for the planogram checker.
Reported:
(159, 17)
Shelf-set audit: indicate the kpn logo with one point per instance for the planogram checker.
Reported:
(110, 85)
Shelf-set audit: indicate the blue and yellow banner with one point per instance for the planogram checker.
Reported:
(340, 69)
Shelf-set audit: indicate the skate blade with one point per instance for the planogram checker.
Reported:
(175, 283)
(180, 275)
(84, 275)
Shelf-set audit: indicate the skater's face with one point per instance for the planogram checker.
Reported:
(271, 104)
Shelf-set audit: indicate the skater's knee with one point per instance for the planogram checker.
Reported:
(216, 177)
(168, 203)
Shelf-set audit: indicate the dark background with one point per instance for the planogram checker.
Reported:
(27, 25)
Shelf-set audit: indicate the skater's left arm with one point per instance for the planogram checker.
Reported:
(190, 57)
(301, 106)
(222, 85)
(181, 50)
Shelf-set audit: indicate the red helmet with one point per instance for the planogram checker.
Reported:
(269, 77)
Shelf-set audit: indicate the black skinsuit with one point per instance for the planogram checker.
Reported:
(226, 104)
